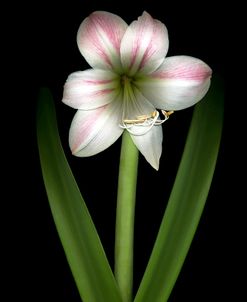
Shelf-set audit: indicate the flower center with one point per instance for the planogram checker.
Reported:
(125, 81)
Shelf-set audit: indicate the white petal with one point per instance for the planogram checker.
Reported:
(93, 131)
(144, 45)
(135, 104)
(180, 82)
(99, 38)
(150, 144)
(90, 89)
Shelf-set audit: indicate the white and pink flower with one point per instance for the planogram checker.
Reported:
(130, 79)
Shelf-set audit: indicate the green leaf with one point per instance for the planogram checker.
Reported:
(187, 198)
(84, 252)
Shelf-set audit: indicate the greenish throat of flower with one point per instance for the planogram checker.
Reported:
(134, 119)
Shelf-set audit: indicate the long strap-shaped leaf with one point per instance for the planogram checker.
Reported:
(87, 260)
(187, 198)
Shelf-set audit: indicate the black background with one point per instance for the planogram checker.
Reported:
(45, 45)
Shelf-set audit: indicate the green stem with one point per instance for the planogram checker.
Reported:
(125, 217)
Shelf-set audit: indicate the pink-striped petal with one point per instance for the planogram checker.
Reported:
(144, 45)
(180, 82)
(93, 131)
(149, 144)
(90, 89)
(99, 37)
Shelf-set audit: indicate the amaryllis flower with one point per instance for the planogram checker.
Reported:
(132, 86)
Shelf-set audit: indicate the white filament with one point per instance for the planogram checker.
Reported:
(145, 121)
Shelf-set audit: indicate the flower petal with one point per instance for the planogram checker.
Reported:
(99, 37)
(180, 82)
(90, 89)
(135, 104)
(93, 131)
(150, 144)
(144, 45)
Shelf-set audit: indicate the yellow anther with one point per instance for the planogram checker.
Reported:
(140, 118)
(132, 121)
(167, 113)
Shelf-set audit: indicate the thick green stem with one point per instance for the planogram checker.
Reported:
(125, 217)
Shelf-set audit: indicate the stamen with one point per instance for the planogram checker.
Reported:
(140, 118)
(145, 120)
(167, 113)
